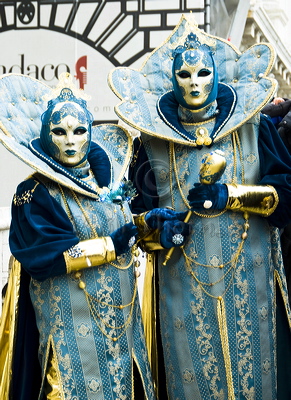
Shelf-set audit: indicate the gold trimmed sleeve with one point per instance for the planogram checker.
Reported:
(90, 253)
(261, 200)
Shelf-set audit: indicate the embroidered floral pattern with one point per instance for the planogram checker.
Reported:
(264, 313)
(188, 376)
(94, 385)
(213, 242)
(163, 175)
(266, 366)
(24, 198)
(178, 324)
(258, 258)
(83, 330)
(75, 251)
(63, 314)
(251, 158)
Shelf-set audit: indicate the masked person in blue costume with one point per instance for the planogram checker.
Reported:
(223, 307)
(77, 333)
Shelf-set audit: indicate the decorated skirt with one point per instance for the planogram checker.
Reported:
(94, 334)
(217, 294)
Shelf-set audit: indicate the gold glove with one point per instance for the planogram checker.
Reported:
(148, 238)
(90, 253)
(151, 242)
(261, 200)
(142, 226)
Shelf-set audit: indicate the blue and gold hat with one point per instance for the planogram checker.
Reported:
(23, 102)
(242, 79)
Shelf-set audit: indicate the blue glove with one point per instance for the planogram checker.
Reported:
(156, 217)
(121, 236)
(174, 233)
(216, 193)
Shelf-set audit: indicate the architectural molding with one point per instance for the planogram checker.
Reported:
(111, 27)
(260, 28)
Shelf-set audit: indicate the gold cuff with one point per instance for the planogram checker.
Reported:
(261, 200)
(151, 242)
(90, 253)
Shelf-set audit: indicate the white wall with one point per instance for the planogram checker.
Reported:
(13, 171)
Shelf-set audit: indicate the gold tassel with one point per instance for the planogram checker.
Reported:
(8, 324)
(221, 315)
(149, 316)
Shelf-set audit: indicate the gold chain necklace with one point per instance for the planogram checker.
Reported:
(97, 316)
(234, 259)
(68, 211)
(221, 312)
(173, 166)
(91, 300)
(232, 263)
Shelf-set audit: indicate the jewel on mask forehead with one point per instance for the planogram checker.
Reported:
(66, 95)
(191, 43)
(193, 58)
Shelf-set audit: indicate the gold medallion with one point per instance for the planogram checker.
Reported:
(203, 137)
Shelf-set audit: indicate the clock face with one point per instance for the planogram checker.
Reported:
(87, 39)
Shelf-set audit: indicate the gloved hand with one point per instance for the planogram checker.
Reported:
(216, 195)
(174, 233)
(156, 217)
(121, 237)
